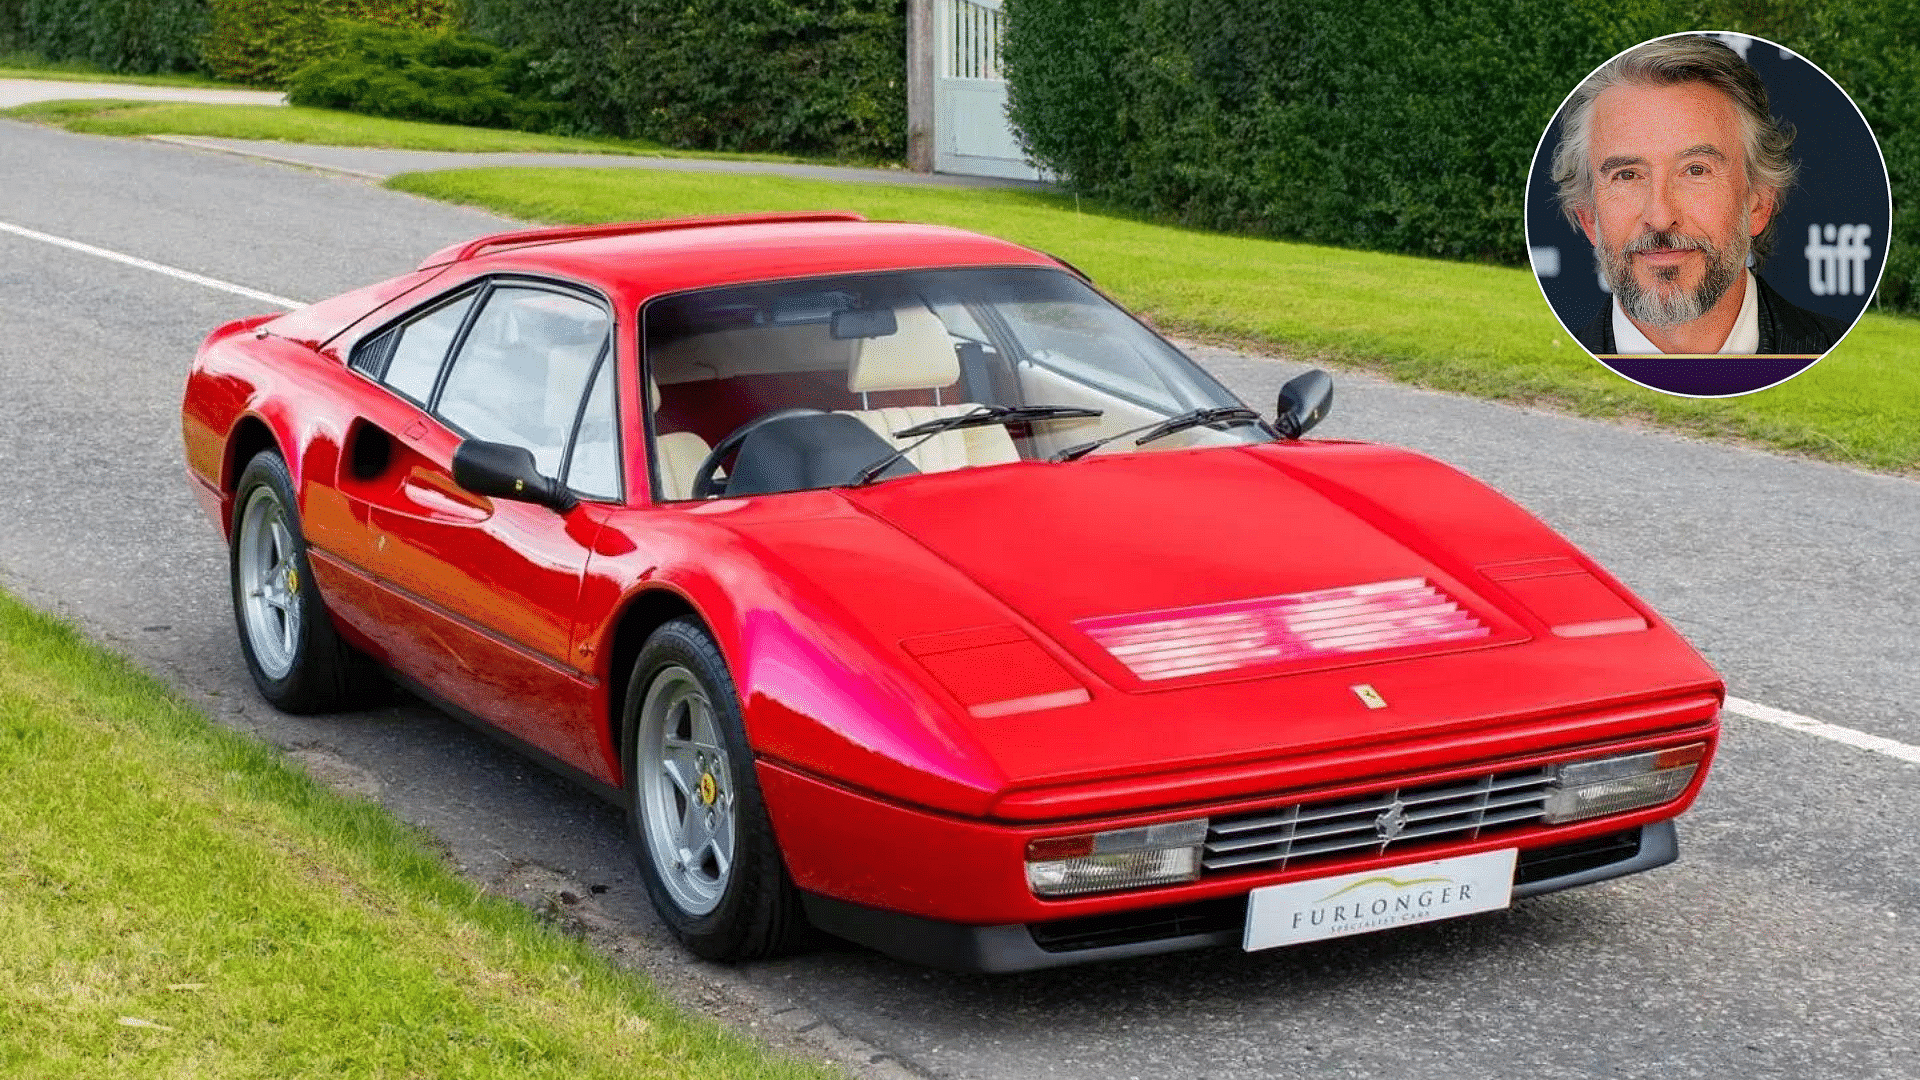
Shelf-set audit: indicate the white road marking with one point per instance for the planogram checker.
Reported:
(148, 264)
(1752, 710)
(1820, 729)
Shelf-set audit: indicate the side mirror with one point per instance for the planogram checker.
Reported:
(1304, 402)
(508, 472)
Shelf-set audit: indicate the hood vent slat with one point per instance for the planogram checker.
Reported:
(1276, 629)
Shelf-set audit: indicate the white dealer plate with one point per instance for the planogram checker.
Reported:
(1330, 907)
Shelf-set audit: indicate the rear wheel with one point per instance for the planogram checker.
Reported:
(295, 656)
(698, 822)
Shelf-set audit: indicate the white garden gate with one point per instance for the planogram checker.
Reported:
(971, 133)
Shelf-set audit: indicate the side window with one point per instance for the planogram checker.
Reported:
(520, 374)
(593, 469)
(413, 360)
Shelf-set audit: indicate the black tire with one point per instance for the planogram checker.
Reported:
(686, 760)
(293, 651)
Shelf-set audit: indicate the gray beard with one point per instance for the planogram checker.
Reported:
(1672, 306)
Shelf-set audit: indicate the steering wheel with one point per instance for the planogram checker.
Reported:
(703, 486)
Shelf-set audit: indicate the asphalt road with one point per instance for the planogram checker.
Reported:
(1786, 943)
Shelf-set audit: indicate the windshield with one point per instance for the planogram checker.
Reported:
(776, 387)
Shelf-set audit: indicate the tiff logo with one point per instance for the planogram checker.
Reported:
(1838, 267)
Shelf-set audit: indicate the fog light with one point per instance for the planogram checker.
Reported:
(1589, 789)
(1120, 859)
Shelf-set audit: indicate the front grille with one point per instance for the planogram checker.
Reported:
(1391, 820)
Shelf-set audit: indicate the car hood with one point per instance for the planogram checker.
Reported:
(1190, 567)
(1036, 628)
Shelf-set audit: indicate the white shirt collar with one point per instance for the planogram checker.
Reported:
(1743, 340)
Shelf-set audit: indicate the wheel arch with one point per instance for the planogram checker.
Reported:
(640, 615)
(249, 436)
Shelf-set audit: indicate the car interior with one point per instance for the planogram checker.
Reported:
(802, 384)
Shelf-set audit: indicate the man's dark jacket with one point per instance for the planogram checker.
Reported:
(1783, 327)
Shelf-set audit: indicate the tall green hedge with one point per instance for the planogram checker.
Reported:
(263, 42)
(1397, 125)
(1873, 49)
(119, 35)
(10, 27)
(1389, 124)
(806, 76)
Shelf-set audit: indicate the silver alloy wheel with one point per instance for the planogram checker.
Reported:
(686, 791)
(267, 572)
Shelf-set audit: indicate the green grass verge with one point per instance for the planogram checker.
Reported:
(176, 901)
(22, 65)
(1474, 329)
(327, 127)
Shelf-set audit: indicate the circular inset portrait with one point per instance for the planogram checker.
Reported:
(1708, 214)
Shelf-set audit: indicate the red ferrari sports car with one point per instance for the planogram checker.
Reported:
(898, 582)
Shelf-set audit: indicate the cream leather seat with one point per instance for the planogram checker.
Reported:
(919, 355)
(677, 454)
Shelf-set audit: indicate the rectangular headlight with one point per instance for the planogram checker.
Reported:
(1610, 785)
(1119, 859)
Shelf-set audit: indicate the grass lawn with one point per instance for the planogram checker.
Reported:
(1475, 329)
(328, 127)
(178, 902)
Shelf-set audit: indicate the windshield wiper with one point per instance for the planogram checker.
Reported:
(1225, 414)
(979, 416)
(983, 415)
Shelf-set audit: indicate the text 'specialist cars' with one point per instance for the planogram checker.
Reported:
(902, 584)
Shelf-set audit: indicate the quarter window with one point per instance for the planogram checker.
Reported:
(415, 360)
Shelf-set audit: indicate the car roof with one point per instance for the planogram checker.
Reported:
(653, 258)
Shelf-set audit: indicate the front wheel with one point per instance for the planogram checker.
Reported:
(295, 656)
(698, 822)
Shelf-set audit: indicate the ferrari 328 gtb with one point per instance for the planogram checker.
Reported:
(900, 583)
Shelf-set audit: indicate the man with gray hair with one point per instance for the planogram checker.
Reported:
(1672, 165)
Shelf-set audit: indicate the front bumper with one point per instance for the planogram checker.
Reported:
(1194, 925)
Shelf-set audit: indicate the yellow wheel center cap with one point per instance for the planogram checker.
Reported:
(709, 788)
(293, 581)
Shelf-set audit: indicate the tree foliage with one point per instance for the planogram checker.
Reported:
(263, 42)
(422, 75)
